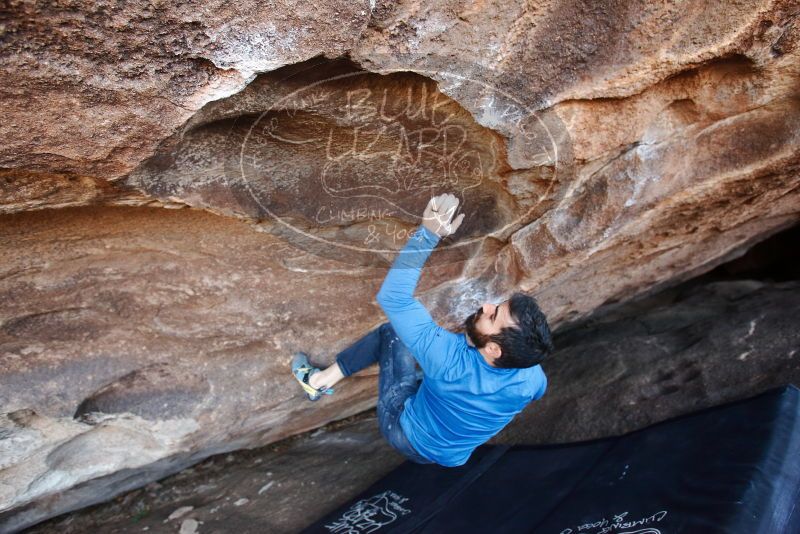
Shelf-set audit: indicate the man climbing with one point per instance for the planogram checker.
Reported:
(473, 384)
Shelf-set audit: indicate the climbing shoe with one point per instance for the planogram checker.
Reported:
(302, 371)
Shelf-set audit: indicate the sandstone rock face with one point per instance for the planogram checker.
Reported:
(144, 339)
(95, 86)
(601, 151)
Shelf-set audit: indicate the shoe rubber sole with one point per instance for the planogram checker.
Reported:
(302, 370)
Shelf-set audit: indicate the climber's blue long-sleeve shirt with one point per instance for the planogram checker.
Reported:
(462, 401)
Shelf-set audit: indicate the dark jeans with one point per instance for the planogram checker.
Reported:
(396, 382)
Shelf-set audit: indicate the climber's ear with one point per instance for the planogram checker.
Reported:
(493, 350)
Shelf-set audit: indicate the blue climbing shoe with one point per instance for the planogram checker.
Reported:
(302, 371)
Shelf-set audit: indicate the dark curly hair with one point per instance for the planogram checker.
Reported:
(523, 345)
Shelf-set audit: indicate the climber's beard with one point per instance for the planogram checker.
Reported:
(477, 339)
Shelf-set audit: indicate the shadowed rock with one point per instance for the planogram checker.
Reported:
(155, 392)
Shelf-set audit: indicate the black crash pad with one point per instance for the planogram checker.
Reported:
(729, 469)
